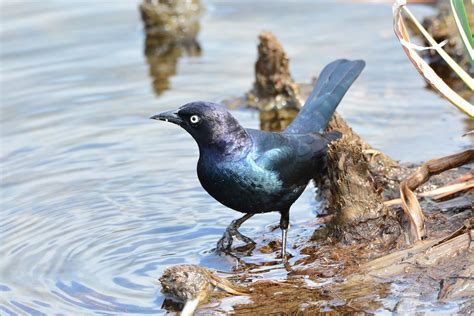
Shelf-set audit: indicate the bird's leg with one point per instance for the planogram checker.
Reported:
(284, 223)
(224, 244)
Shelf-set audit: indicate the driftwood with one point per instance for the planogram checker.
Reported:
(424, 253)
(440, 268)
(441, 192)
(411, 207)
(445, 262)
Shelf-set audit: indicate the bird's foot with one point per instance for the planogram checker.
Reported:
(243, 238)
(224, 244)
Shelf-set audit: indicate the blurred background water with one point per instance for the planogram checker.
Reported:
(96, 199)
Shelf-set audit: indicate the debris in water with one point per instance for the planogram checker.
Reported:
(193, 285)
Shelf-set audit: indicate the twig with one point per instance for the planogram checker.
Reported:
(411, 207)
(438, 193)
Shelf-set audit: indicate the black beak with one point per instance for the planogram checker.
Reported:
(168, 116)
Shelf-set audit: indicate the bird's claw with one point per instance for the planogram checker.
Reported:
(243, 238)
(225, 243)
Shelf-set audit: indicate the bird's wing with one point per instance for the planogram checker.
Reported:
(275, 158)
(294, 157)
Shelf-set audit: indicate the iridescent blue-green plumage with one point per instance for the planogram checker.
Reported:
(253, 171)
(269, 177)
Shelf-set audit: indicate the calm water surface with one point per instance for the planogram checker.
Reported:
(97, 199)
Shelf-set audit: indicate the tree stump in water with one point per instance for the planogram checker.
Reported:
(385, 171)
(274, 92)
(355, 198)
(178, 19)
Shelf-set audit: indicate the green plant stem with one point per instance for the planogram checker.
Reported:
(462, 23)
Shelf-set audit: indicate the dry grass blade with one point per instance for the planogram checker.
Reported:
(410, 204)
(439, 193)
(226, 285)
(413, 212)
(453, 189)
(425, 253)
(468, 80)
(423, 68)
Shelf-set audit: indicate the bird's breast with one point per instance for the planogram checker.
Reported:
(243, 186)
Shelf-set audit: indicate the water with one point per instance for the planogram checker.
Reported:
(97, 199)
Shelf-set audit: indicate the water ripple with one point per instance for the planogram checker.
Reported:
(97, 199)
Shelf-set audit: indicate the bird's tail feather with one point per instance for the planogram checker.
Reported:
(332, 85)
(332, 136)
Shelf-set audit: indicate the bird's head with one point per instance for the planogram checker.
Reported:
(210, 124)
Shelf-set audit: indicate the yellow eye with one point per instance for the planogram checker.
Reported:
(194, 119)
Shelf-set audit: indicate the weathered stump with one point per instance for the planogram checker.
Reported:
(274, 92)
(355, 198)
